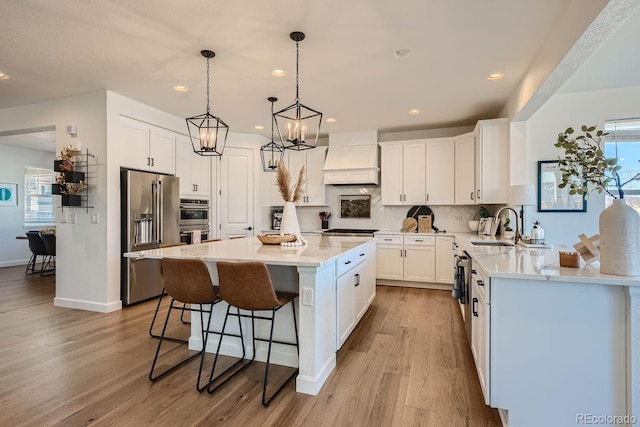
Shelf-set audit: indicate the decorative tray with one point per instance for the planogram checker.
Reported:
(275, 239)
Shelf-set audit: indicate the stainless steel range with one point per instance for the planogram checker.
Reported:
(348, 232)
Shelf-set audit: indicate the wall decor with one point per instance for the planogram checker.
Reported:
(485, 226)
(551, 198)
(355, 206)
(8, 194)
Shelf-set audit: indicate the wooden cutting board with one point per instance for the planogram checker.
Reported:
(409, 225)
(424, 224)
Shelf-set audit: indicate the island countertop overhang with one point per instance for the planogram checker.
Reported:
(319, 251)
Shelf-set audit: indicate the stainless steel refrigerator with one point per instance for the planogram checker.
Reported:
(150, 217)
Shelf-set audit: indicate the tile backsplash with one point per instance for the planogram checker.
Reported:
(450, 218)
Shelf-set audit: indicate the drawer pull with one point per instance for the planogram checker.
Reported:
(362, 254)
(419, 240)
(480, 283)
(473, 307)
(388, 240)
(347, 262)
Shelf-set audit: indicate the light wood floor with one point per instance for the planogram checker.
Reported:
(407, 364)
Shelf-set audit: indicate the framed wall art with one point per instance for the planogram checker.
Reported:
(8, 194)
(552, 198)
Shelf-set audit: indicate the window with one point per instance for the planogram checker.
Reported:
(623, 142)
(38, 201)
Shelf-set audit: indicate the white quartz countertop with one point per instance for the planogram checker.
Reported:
(538, 264)
(319, 251)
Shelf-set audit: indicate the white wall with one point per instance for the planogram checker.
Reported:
(559, 113)
(12, 163)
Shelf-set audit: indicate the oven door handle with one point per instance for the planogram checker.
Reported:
(194, 208)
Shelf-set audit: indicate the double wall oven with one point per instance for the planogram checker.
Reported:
(194, 219)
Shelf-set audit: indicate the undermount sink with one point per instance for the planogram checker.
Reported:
(490, 243)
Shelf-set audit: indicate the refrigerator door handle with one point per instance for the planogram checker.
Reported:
(160, 212)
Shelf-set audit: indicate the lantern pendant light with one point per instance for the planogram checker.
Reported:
(208, 133)
(298, 125)
(271, 153)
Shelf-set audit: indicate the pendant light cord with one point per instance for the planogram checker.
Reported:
(272, 102)
(297, 72)
(208, 86)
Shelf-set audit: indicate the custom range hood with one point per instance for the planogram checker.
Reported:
(352, 159)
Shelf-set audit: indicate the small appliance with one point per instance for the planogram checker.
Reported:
(276, 219)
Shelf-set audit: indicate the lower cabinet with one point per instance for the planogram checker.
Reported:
(408, 257)
(444, 259)
(355, 289)
(479, 329)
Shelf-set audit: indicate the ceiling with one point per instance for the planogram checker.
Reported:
(348, 70)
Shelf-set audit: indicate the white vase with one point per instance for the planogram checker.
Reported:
(289, 223)
(620, 240)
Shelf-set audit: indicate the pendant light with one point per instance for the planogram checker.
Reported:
(208, 133)
(271, 153)
(298, 125)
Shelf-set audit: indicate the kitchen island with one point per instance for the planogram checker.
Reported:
(553, 346)
(336, 276)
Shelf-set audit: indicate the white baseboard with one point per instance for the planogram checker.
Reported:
(22, 262)
(88, 305)
(421, 285)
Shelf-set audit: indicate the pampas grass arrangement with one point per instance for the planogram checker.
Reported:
(283, 180)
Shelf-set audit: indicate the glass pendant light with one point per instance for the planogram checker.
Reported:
(208, 133)
(271, 153)
(298, 125)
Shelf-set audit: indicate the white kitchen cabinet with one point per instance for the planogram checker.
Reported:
(465, 179)
(146, 147)
(440, 174)
(419, 263)
(275, 198)
(313, 161)
(479, 331)
(353, 288)
(492, 161)
(444, 259)
(193, 170)
(408, 257)
(403, 173)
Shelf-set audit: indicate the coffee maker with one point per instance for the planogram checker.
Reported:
(276, 219)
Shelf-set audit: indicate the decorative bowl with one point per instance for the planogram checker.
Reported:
(473, 225)
(275, 239)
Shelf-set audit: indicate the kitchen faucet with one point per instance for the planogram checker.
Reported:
(497, 218)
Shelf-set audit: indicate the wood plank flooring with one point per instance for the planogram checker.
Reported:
(407, 363)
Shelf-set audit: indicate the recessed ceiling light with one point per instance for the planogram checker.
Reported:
(278, 73)
(3, 76)
(259, 127)
(181, 88)
(495, 76)
(402, 53)
(331, 120)
(414, 111)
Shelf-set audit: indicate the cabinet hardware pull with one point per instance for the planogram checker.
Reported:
(388, 240)
(419, 240)
(471, 196)
(427, 197)
(405, 253)
(400, 197)
(473, 271)
(473, 306)
(478, 194)
(357, 276)
(249, 228)
(148, 161)
(401, 253)
(480, 283)
(347, 262)
(361, 254)
(196, 187)
(153, 161)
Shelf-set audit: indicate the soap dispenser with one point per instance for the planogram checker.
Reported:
(537, 233)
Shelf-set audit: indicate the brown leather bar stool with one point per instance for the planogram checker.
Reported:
(187, 281)
(247, 286)
(162, 294)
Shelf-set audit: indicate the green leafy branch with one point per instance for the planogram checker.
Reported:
(584, 167)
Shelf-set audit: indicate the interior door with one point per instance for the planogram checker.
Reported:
(236, 193)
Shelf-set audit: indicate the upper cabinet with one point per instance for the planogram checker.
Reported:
(147, 147)
(403, 173)
(492, 161)
(193, 170)
(465, 160)
(313, 161)
(440, 171)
